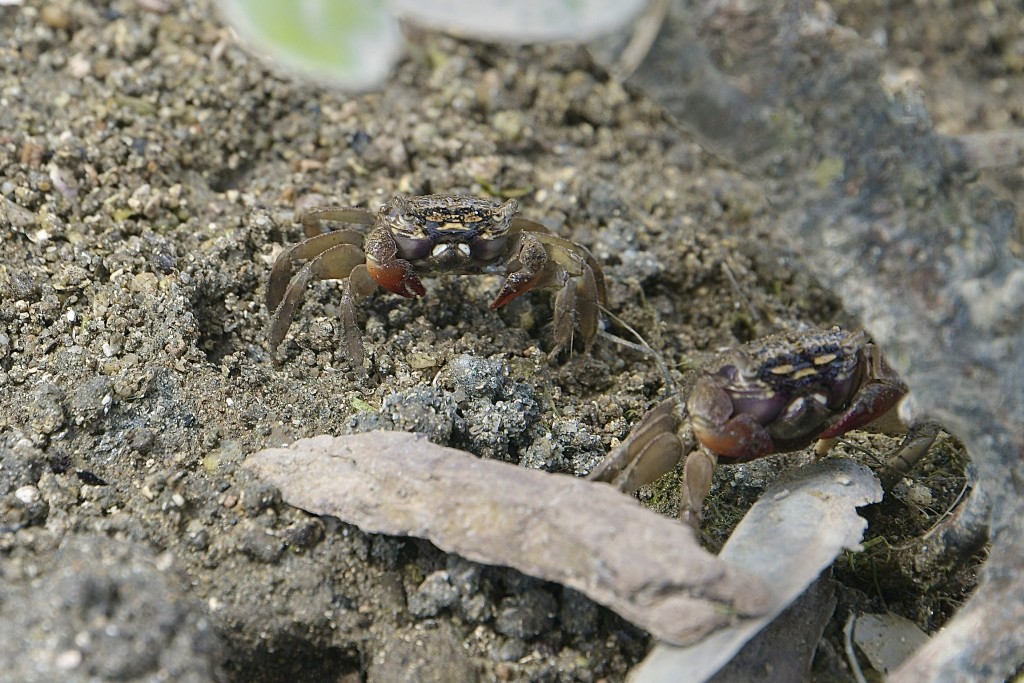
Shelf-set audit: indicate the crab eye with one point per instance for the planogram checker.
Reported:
(506, 211)
(398, 207)
(397, 214)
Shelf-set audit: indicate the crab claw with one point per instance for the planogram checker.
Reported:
(871, 402)
(397, 276)
(527, 270)
(732, 437)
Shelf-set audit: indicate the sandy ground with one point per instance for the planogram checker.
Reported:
(150, 172)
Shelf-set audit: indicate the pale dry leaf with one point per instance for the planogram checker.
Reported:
(790, 535)
(585, 535)
(523, 21)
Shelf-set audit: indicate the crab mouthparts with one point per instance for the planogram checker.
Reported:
(440, 249)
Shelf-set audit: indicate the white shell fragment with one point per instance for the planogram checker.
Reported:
(887, 640)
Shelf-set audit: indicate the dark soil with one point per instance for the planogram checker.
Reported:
(150, 172)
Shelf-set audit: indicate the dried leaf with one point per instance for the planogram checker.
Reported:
(789, 536)
(585, 535)
(787, 646)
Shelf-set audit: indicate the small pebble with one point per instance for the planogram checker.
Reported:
(68, 660)
(27, 494)
(55, 16)
(920, 495)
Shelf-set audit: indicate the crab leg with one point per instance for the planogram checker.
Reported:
(652, 449)
(587, 307)
(565, 252)
(573, 257)
(540, 260)
(916, 444)
(698, 473)
(565, 306)
(589, 284)
(335, 263)
(283, 268)
(312, 220)
(358, 286)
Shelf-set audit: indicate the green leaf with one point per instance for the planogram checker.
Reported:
(351, 44)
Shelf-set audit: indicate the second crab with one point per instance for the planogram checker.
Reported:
(775, 395)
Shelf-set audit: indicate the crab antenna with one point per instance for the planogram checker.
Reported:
(642, 348)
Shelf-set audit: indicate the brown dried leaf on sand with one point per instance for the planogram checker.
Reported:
(588, 536)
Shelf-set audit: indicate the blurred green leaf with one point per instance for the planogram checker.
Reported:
(352, 44)
(348, 43)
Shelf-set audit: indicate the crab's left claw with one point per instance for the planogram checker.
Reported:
(527, 269)
(872, 402)
(539, 260)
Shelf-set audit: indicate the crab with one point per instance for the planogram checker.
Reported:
(775, 395)
(429, 235)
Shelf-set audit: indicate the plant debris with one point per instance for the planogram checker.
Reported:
(588, 536)
(792, 533)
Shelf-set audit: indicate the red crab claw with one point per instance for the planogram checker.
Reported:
(396, 276)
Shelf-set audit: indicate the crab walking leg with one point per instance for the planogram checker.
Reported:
(283, 268)
(915, 445)
(564, 317)
(588, 285)
(573, 257)
(698, 473)
(358, 286)
(539, 261)
(313, 220)
(335, 263)
(587, 307)
(651, 449)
